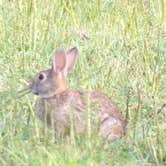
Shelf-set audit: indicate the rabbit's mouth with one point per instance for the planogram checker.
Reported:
(33, 88)
(36, 93)
(33, 91)
(41, 94)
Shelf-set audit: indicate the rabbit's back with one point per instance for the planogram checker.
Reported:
(112, 125)
(76, 108)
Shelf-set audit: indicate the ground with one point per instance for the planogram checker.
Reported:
(122, 52)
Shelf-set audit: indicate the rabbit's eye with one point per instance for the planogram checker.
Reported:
(41, 77)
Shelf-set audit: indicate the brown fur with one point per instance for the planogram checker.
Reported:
(74, 109)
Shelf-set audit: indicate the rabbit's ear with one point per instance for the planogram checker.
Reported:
(59, 60)
(71, 57)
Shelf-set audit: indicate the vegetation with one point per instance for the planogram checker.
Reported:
(122, 46)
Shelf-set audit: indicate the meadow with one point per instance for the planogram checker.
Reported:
(122, 52)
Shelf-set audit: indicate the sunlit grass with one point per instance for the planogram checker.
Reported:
(122, 47)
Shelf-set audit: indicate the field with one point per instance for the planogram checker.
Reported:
(122, 52)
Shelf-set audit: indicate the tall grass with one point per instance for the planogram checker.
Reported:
(122, 46)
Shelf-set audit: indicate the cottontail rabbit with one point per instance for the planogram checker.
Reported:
(65, 108)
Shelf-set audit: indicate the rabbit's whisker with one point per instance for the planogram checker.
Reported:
(23, 92)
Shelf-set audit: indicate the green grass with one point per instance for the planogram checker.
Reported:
(125, 57)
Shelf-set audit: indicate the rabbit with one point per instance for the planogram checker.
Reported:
(81, 109)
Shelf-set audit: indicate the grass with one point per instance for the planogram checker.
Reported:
(124, 57)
